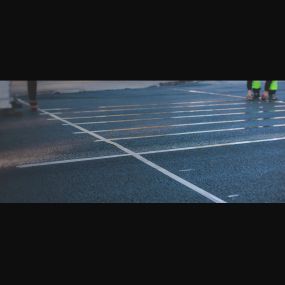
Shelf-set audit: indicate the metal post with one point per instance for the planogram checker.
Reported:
(32, 93)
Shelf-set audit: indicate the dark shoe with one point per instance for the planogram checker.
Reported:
(273, 97)
(256, 96)
(250, 95)
(265, 96)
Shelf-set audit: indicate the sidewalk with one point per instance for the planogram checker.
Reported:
(19, 87)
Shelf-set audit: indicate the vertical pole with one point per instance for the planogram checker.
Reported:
(32, 93)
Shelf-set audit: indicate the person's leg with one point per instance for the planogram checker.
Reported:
(272, 90)
(249, 90)
(32, 92)
(256, 87)
(271, 87)
(253, 87)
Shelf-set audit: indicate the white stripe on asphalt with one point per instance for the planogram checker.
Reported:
(160, 113)
(278, 118)
(152, 152)
(152, 113)
(182, 125)
(210, 115)
(212, 146)
(71, 161)
(57, 109)
(159, 104)
(213, 93)
(174, 134)
(218, 94)
(233, 196)
(280, 125)
(186, 170)
(164, 126)
(190, 133)
(153, 119)
(169, 174)
(118, 121)
(173, 107)
(56, 113)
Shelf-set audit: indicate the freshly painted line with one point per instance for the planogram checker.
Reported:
(71, 161)
(210, 115)
(56, 113)
(160, 113)
(152, 113)
(210, 93)
(150, 152)
(164, 126)
(233, 196)
(212, 146)
(57, 109)
(159, 104)
(195, 132)
(277, 111)
(153, 119)
(151, 108)
(174, 134)
(186, 170)
(164, 171)
(184, 125)
(278, 118)
(218, 94)
(117, 121)
(280, 125)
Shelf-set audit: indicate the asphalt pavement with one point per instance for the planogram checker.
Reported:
(196, 142)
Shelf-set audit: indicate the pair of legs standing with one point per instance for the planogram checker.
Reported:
(254, 88)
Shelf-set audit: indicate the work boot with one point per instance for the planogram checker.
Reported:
(256, 95)
(265, 96)
(273, 97)
(250, 95)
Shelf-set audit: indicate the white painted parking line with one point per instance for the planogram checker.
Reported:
(117, 121)
(55, 113)
(213, 93)
(233, 196)
(153, 113)
(160, 169)
(212, 146)
(209, 93)
(221, 94)
(174, 134)
(150, 152)
(279, 118)
(194, 132)
(183, 125)
(159, 104)
(171, 112)
(152, 108)
(280, 125)
(57, 109)
(210, 115)
(164, 126)
(153, 119)
(187, 170)
(70, 161)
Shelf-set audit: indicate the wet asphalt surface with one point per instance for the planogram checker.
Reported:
(146, 120)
